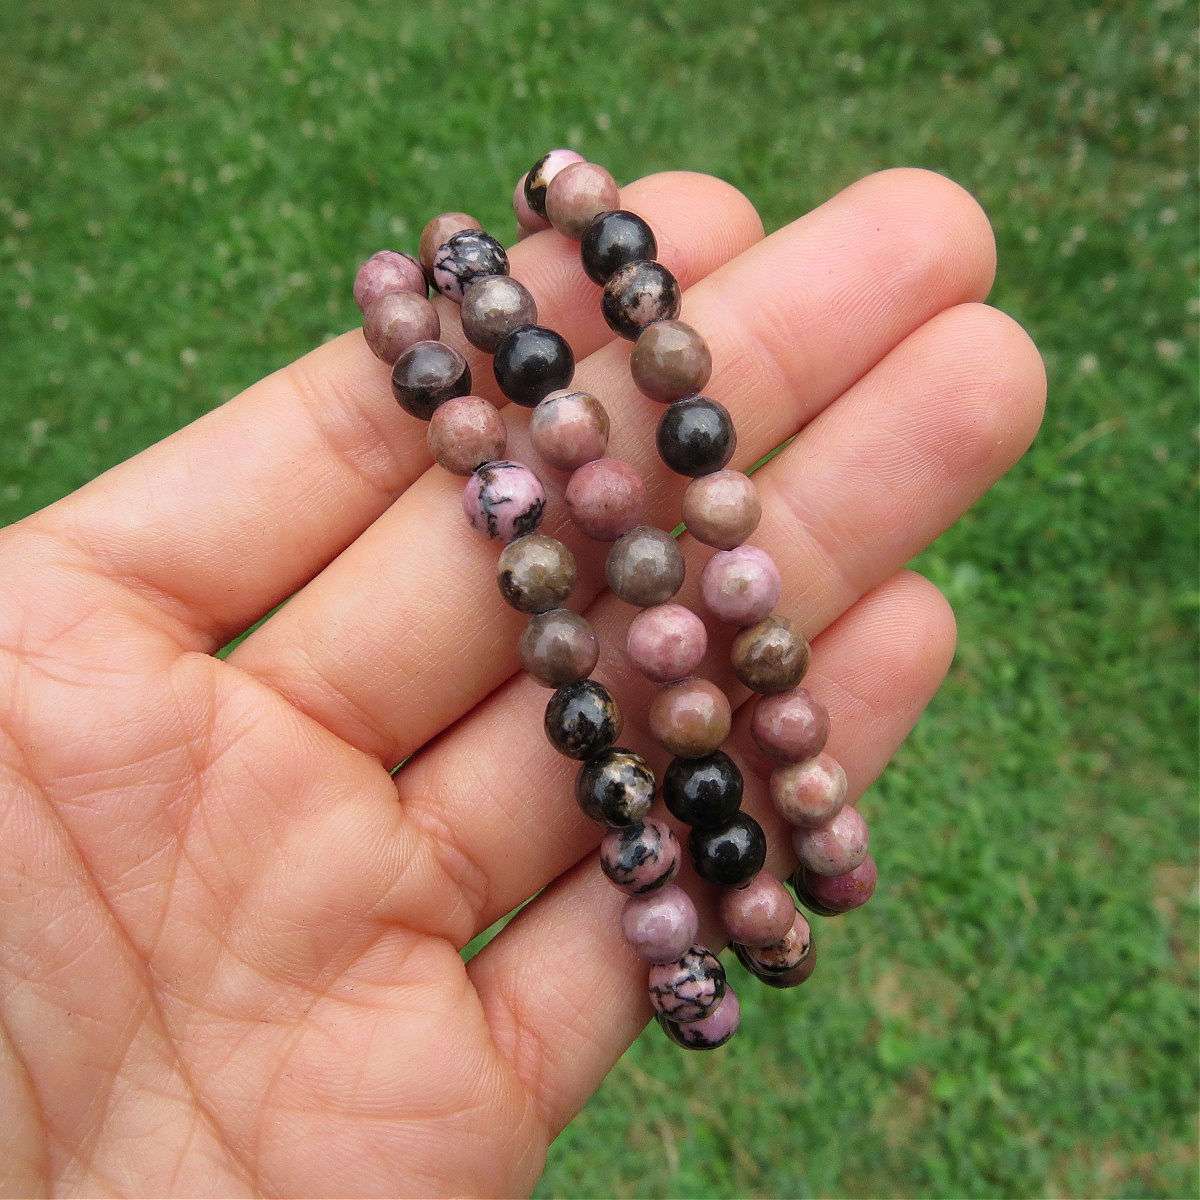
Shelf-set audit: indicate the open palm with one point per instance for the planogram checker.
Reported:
(229, 937)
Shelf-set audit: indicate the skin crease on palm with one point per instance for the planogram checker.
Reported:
(229, 939)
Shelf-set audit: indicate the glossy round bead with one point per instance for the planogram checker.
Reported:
(785, 979)
(666, 642)
(771, 656)
(758, 914)
(740, 586)
(527, 219)
(569, 429)
(688, 988)
(690, 718)
(493, 306)
(809, 794)
(645, 566)
(615, 787)
(386, 273)
(722, 509)
(559, 647)
(671, 360)
(696, 436)
(469, 255)
(786, 963)
(835, 848)
(428, 374)
(531, 362)
(637, 295)
(582, 719)
(538, 177)
(662, 926)
(577, 194)
(640, 858)
(791, 727)
(704, 791)
(464, 433)
(709, 1032)
(535, 573)
(504, 500)
(397, 321)
(832, 895)
(438, 232)
(606, 498)
(732, 855)
(614, 240)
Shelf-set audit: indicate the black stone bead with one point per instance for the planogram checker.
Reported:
(696, 436)
(531, 362)
(706, 791)
(731, 855)
(613, 240)
(616, 787)
(638, 295)
(582, 719)
(427, 374)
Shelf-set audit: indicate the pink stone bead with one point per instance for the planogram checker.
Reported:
(640, 858)
(578, 193)
(791, 726)
(464, 433)
(741, 586)
(569, 429)
(527, 219)
(504, 500)
(661, 926)
(385, 272)
(666, 642)
(709, 1032)
(397, 321)
(809, 794)
(836, 848)
(758, 914)
(606, 498)
(831, 895)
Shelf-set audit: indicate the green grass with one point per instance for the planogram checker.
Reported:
(185, 189)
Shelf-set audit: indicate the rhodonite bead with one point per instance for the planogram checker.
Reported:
(783, 979)
(671, 360)
(782, 963)
(759, 914)
(722, 509)
(531, 362)
(464, 433)
(809, 794)
(582, 719)
(577, 194)
(637, 295)
(666, 642)
(690, 718)
(385, 273)
(688, 988)
(397, 321)
(771, 656)
(538, 177)
(661, 926)
(832, 895)
(615, 787)
(428, 374)
(835, 848)
(535, 573)
(504, 500)
(705, 791)
(640, 858)
(438, 231)
(696, 436)
(645, 566)
(527, 219)
(740, 586)
(791, 727)
(709, 1032)
(606, 498)
(569, 429)
(732, 855)
(614, 240)
(493, 306)
(559, 647)
(468, 255)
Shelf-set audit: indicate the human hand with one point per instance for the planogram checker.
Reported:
(229, 947)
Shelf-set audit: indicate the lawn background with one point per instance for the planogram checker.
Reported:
(185, 189)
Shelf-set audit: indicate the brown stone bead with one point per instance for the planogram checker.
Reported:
(397, 321)
(690, 718)
(645, 566)
(466, 432)
(759, 913)
(493, 306)
(671, 360)
(771, 656)
(559, 647)
(791, 727)
(578, 193)
(606, 498)
(438, 232)
(536, 573)
(722, 509)
(569, 429)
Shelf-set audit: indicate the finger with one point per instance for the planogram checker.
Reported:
(231, 515)
(563, 994)
(850, 280)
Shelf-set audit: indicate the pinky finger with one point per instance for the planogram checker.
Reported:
(563, 994)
